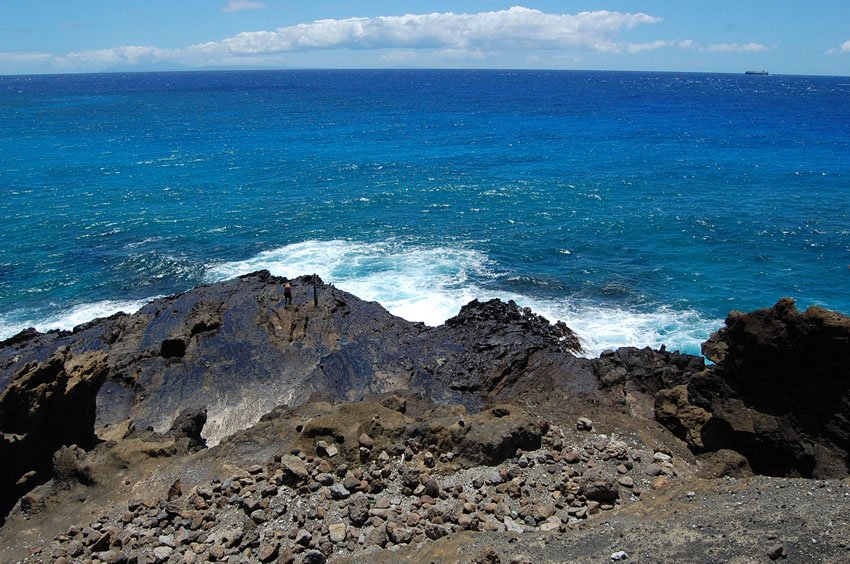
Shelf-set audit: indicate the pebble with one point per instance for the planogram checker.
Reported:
(338, 491)
(653, 470)
(337, 532)
(776, 551)
(584, 424)
(366, 441)
(619, 555)
(314, 557)
(659, 482)
(162, 553)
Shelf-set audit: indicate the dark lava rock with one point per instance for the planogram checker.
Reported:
(779, 393)
(208, 363)
(598, 485)
(189, 424)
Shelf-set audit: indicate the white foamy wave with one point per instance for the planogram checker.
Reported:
(602, 327)
(418, 284)
(15, 322)
(432, 284)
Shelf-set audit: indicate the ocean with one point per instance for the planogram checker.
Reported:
(639, 208)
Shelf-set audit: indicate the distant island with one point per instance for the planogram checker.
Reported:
(757, 73)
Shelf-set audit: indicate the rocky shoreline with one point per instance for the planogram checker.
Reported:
(221, 426)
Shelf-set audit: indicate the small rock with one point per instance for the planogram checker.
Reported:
(544, 511)
(429, 460)
(366, 441)
(659, 482)
(512, 526)
(584, 424)
(338, 491)
(598, 485)
(303, 537)
(314, 557)
(434, 532)
(776, 552)
(432, 488)
(324, 478)
(267, 552)
(400, 535)
(619, 555)
(162, 553)
(662, 457)
(337, 532)
(325, 449)
(653, 470)
(571, 457)
(358, 509)
(551, 524)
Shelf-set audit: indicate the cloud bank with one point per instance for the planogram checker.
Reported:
(445, 36)
(517, 28)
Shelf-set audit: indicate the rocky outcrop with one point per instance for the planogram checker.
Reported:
(202, 365)
(46, 405)
(779, 392)
(234, 350)
(195, 368)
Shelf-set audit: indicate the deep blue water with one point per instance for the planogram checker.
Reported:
(638, 207)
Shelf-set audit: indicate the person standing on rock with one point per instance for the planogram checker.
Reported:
(287, 294)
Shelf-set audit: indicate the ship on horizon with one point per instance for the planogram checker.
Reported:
(758, 73)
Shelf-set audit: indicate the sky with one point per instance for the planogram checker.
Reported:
(780, 36)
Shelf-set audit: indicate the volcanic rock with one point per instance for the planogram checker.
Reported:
(779, 393)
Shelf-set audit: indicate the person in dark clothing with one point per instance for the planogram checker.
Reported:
(287, 294)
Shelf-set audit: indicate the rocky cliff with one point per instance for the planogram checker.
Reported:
(228, 369)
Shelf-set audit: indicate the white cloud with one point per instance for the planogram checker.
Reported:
(239, 5)
(845, 48)
(651, 46)
(736, 48)
(517, 28)
(722, 47)
(435, 38)
(18, 57)
(125, 54)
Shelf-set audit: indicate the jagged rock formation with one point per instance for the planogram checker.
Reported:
(779, 393)
(46, 405)
(192, 370)
(234, 352)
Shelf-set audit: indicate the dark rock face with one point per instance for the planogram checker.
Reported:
(234, 351)
(46, 405)
(779, 393)
(645, 370)
(202, 365)
(189, 424)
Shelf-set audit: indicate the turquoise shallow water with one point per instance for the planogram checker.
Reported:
(638, 207)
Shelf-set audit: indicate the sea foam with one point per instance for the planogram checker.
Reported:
(425, 284)
(15, 322)
(430, 285)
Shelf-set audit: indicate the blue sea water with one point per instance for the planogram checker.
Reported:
(638, 207)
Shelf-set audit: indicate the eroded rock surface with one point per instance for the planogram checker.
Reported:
(779, 393)
(400, 433)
